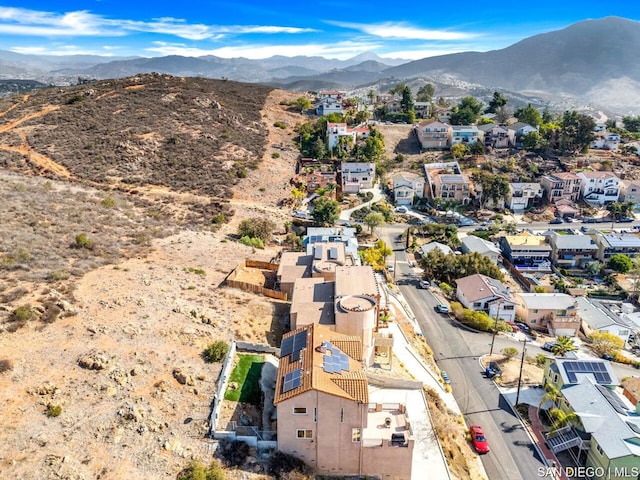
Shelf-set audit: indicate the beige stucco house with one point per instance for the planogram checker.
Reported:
(556, 313)
(433, 134)
(324, 414)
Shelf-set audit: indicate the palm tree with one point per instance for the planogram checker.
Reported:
(561, 419)
(551, 394)
(563, 345)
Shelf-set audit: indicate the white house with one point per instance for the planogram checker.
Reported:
(630, 191)
(485, 294)
(517, 131)
(406, 186)
(604, 316)
(522, 195)
(357, 176)
(466, 134)
(471, 243)
(328, 105)
(606, 141)
(597, 188)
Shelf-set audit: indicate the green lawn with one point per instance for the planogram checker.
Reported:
(247, 375)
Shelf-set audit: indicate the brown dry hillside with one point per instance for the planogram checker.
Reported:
(116, 255)
(188, 134)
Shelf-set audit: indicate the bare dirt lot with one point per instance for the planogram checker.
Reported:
(122, 364)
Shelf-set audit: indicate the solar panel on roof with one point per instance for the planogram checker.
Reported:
(299, 341)
(292, 380)
(295, 355)
(597, 369)
(572, 377)
(333, 253)
(286, 347)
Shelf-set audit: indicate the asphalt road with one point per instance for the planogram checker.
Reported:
(456, 350)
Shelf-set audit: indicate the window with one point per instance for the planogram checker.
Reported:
(299, 410)
(508, 307)
(304, 434)
(599, 449)
(534, 310)
(356, 434)
(315, 414)
(341, 415)
(477, 304)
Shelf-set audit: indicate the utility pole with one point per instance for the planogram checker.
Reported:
(524, 349)
(495, 329)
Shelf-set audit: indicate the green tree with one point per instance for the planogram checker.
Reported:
(605, 343)
(620, 263)
(302, 103)
(466, 112)
(377, 255)
(498, 101)
(618, 210)
(257, 227)
(373, 220)
(576, 132)
(551, 394)
(407, 105)
(459, 150)
(631, 123)
(529, 115)
(425, 93)
(532, 140)
(373, 146)
(372, 96)
(318, 149)
(494, 187)
(594, 268)
(563, 345)
(561, 419)
(325, 211)
(477, 148)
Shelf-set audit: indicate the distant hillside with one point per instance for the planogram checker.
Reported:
(577, 60)
(191, 135)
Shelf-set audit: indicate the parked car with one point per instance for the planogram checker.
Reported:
(524, 327)
(607, 356)
(548, 346)
(589, 220)
(445, 377)
(391, 268)
(441, 308)
(424, 283)
(556, 221)
(402, 210)
(478, 439)
(626, 220)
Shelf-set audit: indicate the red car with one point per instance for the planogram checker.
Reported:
(479, 440)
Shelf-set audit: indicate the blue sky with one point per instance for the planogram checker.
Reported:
(262, 28)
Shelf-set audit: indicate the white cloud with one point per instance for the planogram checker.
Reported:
(20, 21)
(339, 50)
(63, 50)
(405, 31)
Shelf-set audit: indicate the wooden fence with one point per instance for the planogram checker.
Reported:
(251, 287)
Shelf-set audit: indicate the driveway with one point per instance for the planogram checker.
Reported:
(377, 196)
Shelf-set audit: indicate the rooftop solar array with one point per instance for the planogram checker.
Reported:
(613, 400)
(334, 361)
(597, 369)
(294, 344)
(291, 380)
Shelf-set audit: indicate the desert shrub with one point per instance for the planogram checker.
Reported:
(57, 275)
(108, 202)
(509, 352)
(257, 227)
(6, 365)
(251, 242)
(275, 155)
(540, 359)
(281, 465)
(82, 241)
(215, 352)
(196, 471)
(233, 452)
(279, 124)
(53, 410)
(51, 313)
(242, 173)
(22, 314)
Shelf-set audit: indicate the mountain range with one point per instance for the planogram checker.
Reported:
(591, 64)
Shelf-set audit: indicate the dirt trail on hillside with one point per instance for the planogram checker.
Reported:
(14, 123)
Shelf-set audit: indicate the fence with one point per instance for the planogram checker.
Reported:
(516, 273)
(251, 287)
(218, 398)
